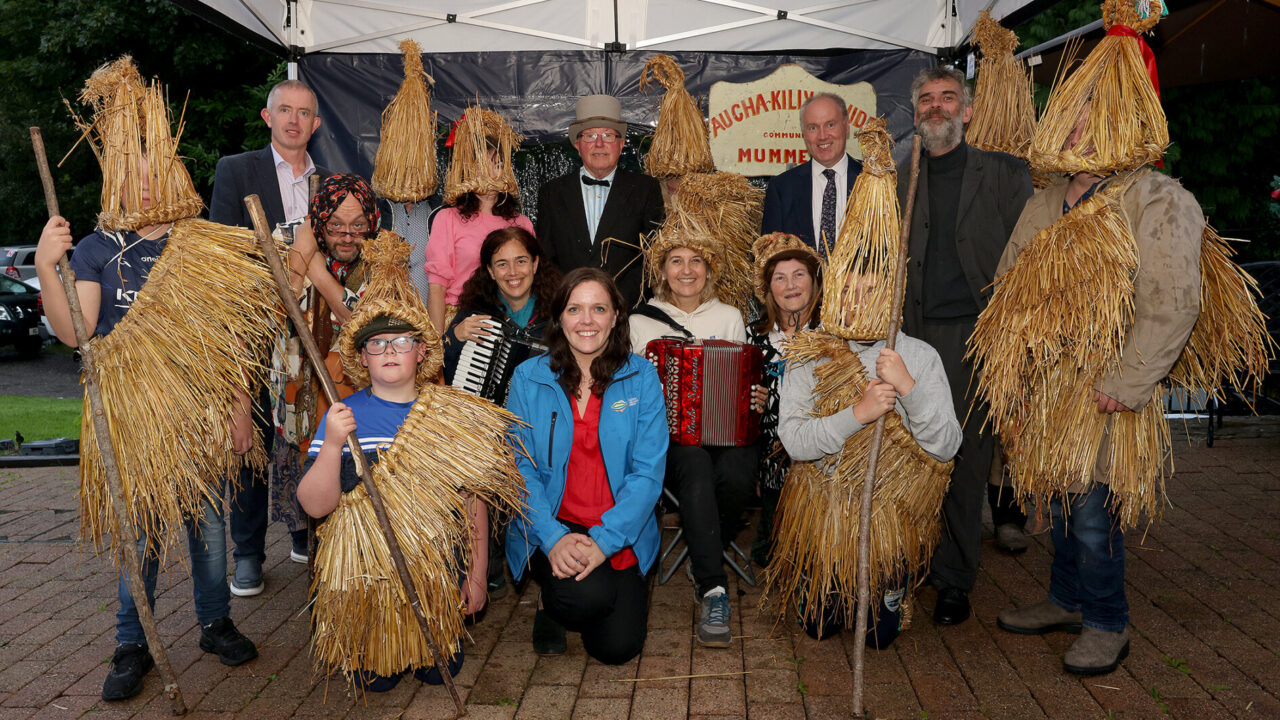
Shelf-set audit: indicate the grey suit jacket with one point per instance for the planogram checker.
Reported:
(994, 190)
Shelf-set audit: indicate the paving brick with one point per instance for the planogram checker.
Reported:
(546, 702)
(602, 709)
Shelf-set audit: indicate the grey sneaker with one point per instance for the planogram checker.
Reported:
(1011, 539)
(247, 581)
(1043, 617)
(713, 627)
(1096, 652)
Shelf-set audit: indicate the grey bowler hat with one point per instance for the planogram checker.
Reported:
(603, 111)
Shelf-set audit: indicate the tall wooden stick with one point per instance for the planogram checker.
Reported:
(353, 443)
(129, 540)
(873, 457)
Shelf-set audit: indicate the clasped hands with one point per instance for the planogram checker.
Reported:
(891, 382)
(574, 556)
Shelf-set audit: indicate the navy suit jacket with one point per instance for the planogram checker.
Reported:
(788, 202)
(634, 208)
(250, 173)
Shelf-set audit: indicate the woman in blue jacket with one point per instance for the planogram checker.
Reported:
(596, 439)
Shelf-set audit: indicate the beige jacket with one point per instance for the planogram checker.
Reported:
(1167, 224)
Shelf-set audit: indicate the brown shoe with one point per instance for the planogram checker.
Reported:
(1097, 652)
(1043, 617)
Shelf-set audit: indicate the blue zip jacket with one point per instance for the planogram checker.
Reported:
(633, 442)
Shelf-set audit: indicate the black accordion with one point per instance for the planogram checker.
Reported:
(485, 366)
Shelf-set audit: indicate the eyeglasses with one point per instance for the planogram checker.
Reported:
(607, 137)
(377, 346)
(357, 230)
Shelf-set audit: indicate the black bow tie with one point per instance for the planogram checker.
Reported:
(592, 181)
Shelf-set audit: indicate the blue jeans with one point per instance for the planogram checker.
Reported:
(1087, 574)
(207, 542)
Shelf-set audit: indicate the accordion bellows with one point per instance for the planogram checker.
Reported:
(169, 372)
(815, 542)
(452, 443)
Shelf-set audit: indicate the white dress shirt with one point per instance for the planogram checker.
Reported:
(295, 194)
(842, 196)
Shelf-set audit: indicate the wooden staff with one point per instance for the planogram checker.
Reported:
(306, 397)
(869, 481)
(124, 525)
(268, 247)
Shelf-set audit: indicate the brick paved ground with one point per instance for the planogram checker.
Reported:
(1203, 586)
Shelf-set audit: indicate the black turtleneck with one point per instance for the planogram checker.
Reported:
(945, 293)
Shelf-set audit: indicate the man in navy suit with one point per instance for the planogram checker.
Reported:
(578, 212)
(808, 200)
(279, 175)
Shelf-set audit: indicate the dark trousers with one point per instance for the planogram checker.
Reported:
(883, 626)
(249, 504)
(955, 561)
(712, 485)
(608, 607)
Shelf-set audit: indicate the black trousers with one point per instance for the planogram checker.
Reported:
(712, 485)
(610, 608)
(250, 506)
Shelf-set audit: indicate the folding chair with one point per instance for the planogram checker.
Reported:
(743, 571)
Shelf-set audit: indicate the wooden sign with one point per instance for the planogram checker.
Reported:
(755, 126)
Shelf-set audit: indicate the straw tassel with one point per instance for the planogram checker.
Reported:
(681, 142)
(1003, 113)
(404, 169)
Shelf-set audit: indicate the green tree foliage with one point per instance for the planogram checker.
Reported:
(49, 48)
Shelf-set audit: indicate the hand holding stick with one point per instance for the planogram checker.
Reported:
(268, 247)
(128, 540)
(869, 481)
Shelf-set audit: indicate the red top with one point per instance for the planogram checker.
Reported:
(586, 490)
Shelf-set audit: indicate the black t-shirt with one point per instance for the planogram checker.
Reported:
(945, 293)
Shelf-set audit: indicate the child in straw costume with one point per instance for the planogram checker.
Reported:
(1109, 272)
(404, 169)
(480, 189)
(177, 306)
(438, 456)
(839, 381)
(726, 203)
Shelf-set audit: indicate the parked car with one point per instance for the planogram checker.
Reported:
(18, 261)
(20, 316)
(34, 282)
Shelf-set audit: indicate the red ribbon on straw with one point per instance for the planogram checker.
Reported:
(1148, 57)
(454, 127)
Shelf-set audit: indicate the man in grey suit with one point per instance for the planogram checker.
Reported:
(967, 203)
(279, 175)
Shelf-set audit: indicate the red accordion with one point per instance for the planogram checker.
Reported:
(707, 384)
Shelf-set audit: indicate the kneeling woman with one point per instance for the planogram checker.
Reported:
(596, 438)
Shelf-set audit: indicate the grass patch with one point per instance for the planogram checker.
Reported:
(39, 418)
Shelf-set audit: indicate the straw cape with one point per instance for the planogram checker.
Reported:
(451, 447)
(478, 132)
(1125, 126)
(816, 535)
(1058, 319)
(169, 373)
(130, 132)
(404, 169)
(815, 555)
(1004, 116)
(867, 247)
(681, 142)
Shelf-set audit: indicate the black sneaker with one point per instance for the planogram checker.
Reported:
(232, 647)
(129, 664)
(548, 635)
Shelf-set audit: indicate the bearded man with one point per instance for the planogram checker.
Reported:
(967, 203)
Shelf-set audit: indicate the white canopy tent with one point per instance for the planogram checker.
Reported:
(441, 26)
